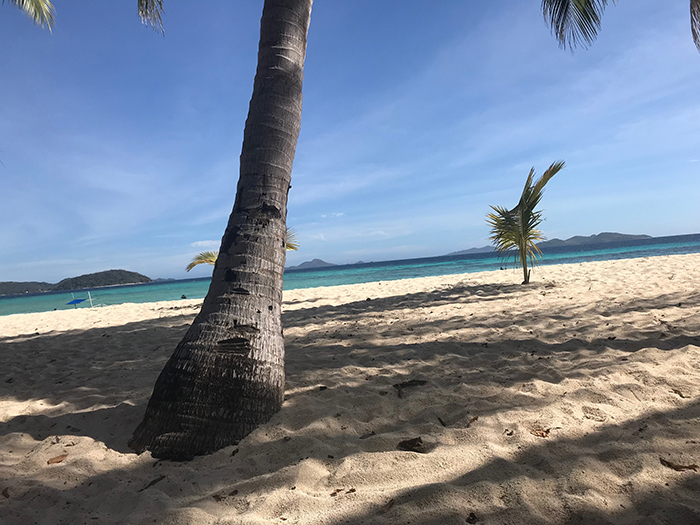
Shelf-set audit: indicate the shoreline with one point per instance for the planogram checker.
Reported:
(548, 403)
(510, 276)
(551, 257)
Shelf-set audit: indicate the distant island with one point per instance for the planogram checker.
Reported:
(577, 240)
(592, 239)
(483, 249)
(92, 280)
(307, 265)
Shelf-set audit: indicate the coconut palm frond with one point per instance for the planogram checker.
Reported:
(41, 11)
(574, 22)
(503, 227)
(510, 240)
(151, 12)
(555, 168)
(203, 258)
(291, 243)
(695, 21)
(514, 232)
(577, 22)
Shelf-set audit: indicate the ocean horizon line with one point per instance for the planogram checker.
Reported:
(486, 254)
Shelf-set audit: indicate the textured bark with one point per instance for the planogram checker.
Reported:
(226, 376)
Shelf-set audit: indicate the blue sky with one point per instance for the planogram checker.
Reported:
(120, 147)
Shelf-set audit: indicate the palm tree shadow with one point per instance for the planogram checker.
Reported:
(461, 293)
(106, 425)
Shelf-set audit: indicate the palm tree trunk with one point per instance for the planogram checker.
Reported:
(523, 261)
(522, 239)
(226, 376)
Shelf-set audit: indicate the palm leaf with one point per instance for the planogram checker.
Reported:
(41, 11)
(695, 21)
(291, 243)
(151, 12)
(574, 22)
(203, 258)
(555, 168)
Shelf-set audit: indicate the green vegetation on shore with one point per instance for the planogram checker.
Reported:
(91, 280)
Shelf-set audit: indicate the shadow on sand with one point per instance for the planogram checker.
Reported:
(106, 401)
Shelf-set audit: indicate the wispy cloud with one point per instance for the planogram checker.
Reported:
(206, 245)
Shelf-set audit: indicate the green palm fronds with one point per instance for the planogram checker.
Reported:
(577, 22)
(41, 11)
(291, 243)
(574, 22)
(514, 232)
(151, 12)
(203, 258)
(210, 257)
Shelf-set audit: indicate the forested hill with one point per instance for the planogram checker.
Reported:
(572, 241)
(13, 288)
(592, 239)
(95, 280)
(309, 265)
(92, 280)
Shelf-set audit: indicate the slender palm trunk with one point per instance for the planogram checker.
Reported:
(523, 261)
(522, 243)
(226, 376)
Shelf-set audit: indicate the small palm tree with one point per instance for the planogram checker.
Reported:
(210, 257)
(514, 232)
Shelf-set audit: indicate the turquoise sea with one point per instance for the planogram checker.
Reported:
(353, 274)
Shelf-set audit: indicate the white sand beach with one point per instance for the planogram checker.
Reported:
(575, 399)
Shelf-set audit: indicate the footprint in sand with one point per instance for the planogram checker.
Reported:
(594, 413)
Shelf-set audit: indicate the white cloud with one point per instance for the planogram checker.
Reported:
(206, 245)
